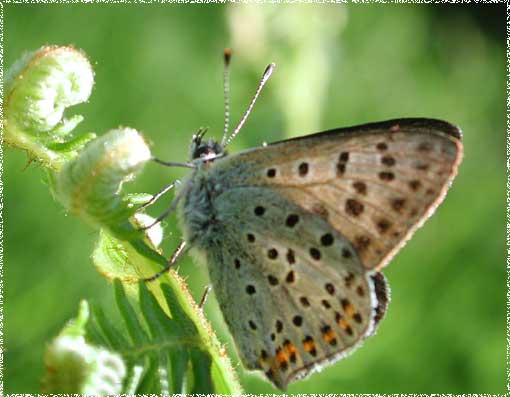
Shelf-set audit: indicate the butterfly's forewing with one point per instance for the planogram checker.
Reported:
(291, 288)
(375, 184)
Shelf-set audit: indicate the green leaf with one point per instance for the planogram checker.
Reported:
(94, 334)
(201, 371)
(155, 317)
(179, 359)
(73, 144)
(134, 328)
(149, 381)
(178, 314)
(113, 336)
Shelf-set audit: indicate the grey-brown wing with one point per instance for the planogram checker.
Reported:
(375, 184)
(291, 288)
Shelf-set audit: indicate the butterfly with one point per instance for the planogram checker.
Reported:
(294, 234)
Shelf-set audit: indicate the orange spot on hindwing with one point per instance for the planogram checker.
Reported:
(342, 322)
(281, 359)
(309, 345)
(329, 335)
(291, 350)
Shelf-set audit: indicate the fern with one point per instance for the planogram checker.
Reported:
(163, 343)
(162, 354)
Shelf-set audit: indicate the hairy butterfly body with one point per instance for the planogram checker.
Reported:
(294, 234)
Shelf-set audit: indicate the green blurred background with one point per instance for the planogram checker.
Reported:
(158, 68)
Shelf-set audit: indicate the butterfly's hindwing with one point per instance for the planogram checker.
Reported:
(291, 288)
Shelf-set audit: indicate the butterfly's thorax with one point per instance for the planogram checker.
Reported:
(197, 214)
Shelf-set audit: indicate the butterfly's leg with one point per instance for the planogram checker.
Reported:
(173, 163)
(205, 295)
(158, 195)
(178, 251)
(164, 214)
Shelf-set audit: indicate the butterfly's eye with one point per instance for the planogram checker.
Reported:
(207, 149)
(204, 151)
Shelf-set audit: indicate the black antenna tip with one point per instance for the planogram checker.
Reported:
(268, 71)
(227, 54)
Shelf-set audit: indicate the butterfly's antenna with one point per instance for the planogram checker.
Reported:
(226, 92)
(265, 77)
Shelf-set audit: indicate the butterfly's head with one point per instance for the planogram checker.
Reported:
(205, 149)
(208, 150)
